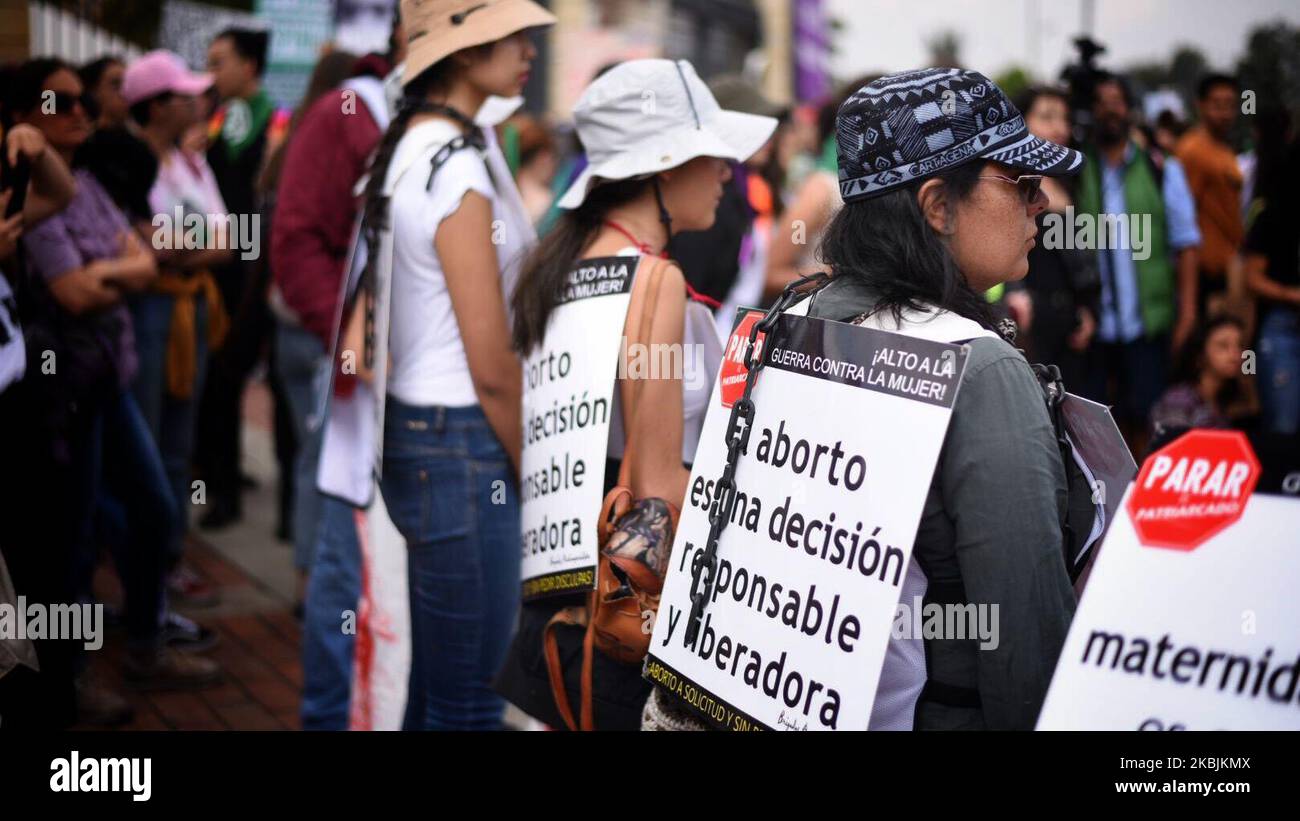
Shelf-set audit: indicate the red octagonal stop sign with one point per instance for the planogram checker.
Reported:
(1193, 488)
(733, 372)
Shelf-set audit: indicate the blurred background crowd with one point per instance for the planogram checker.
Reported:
(1196, 321)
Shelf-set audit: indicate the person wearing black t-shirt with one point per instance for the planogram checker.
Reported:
(1272, 251)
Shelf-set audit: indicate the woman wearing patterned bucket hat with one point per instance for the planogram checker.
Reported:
(941, 187)
(658, 146)
(446, 229)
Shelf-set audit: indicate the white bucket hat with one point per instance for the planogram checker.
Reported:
(646, 116)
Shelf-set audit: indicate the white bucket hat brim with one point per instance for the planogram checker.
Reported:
(730, 135)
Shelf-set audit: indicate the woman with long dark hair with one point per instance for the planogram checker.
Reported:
(443, 215)
(1272, 272)
(941, 184)
(652, 173)
(1210, 390)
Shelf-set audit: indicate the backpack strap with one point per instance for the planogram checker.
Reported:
(575, 616)
(1049, 380)
(654, 274)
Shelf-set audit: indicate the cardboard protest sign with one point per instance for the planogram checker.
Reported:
(1189, 619)
(1100, 451)
(848, 426)
(567, 411)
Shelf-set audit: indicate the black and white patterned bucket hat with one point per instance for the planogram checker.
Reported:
(905, 127)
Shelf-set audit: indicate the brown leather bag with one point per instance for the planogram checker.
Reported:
(635, 538)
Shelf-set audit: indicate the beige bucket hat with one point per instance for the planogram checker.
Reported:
(437, 28)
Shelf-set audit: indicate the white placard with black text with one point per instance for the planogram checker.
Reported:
(848, 426)
(568, 395)
(1187, 628)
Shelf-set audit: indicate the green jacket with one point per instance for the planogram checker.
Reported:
(1142, 197)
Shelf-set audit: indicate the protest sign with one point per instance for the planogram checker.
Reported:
(1099, 449)
(298, 30)
(1189, 619)
(848, 426)
(568, 395)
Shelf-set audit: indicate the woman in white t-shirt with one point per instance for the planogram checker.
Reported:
(654, 170)
(442, 207)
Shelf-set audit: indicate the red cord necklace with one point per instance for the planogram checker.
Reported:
(646, 249)
(640, 246)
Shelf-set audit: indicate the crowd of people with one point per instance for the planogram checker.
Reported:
(131, 321)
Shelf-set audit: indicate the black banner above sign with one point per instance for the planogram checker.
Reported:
(600, 276)
(898, 365)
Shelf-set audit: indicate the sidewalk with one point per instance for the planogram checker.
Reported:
(259, 638)
(258, 650)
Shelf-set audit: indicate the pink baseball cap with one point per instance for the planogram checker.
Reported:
(161, 71)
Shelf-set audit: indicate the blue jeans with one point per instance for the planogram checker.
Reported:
(451, 493)
(1279, 370)
(170, 419)
(302, 365)
(135, 515)
(333, 586)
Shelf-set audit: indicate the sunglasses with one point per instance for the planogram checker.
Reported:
(1029, 184)
(65, 102)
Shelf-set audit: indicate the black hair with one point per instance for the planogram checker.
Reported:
(544, 270)
(435, 78)
(1169, 121)
(1210, 81)
(1025, 100)
(91, 73)
(1192, 354)
(886, 243)
(1191, 358)
(251, 44)
(23, 88)
(1103, 77)
(140, 111)
(1276, 165)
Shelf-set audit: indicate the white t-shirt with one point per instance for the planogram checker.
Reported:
(185, 181)
(429, 364)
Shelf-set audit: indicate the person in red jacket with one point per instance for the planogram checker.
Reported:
(315, 211)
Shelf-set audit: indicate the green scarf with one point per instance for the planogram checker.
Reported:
(243, 121)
